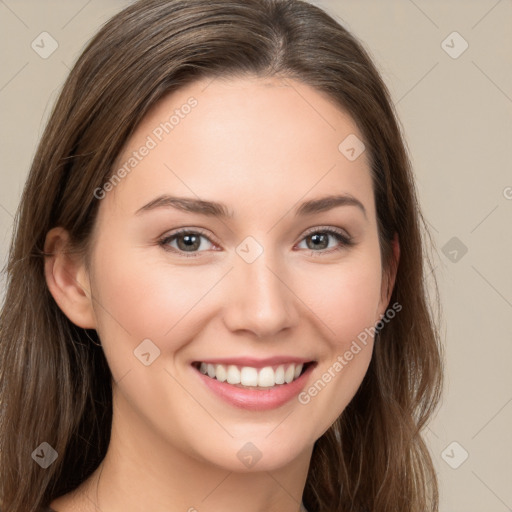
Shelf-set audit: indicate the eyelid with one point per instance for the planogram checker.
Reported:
(191, 229)
(328, 229)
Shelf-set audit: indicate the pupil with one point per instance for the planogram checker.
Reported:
(190, 242)
(323, 241)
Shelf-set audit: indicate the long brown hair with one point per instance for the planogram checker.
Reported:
(55, 384)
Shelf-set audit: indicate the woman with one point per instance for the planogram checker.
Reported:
(215, 295)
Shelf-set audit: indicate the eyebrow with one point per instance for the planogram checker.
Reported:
(215, 209)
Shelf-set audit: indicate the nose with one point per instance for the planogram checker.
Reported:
(260, 298)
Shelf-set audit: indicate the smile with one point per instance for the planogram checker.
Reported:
(256, 388)
(250, 377)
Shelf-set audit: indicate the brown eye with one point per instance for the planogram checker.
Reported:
(187, 241)
(320, 240)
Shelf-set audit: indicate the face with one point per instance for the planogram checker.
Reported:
(269, 278)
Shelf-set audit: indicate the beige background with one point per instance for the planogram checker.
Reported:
(457, 117)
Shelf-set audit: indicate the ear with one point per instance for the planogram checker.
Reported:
(67, 279)
(389, 277)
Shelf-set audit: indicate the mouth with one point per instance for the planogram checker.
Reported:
(252, 378)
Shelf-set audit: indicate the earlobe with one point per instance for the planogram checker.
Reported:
(67, 279)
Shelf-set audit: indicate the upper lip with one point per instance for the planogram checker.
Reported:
(255, 362)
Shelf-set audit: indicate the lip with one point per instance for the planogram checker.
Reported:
(254, 399)
(255, 363)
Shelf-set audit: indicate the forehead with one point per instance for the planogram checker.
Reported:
(242, 140)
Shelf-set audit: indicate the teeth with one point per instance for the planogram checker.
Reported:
(279, 375)
(288, 374)
(233, 375)
(221, 373)
(266, 377)
(249, 376)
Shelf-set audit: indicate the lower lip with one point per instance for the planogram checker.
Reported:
(254, 399)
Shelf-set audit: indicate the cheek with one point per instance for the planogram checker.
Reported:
(138, 299)
(344, 296)
(138, 296)
(147, 298)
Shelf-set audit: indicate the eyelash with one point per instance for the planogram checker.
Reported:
(345, 240)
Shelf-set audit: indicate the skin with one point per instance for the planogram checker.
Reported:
(261, 147)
